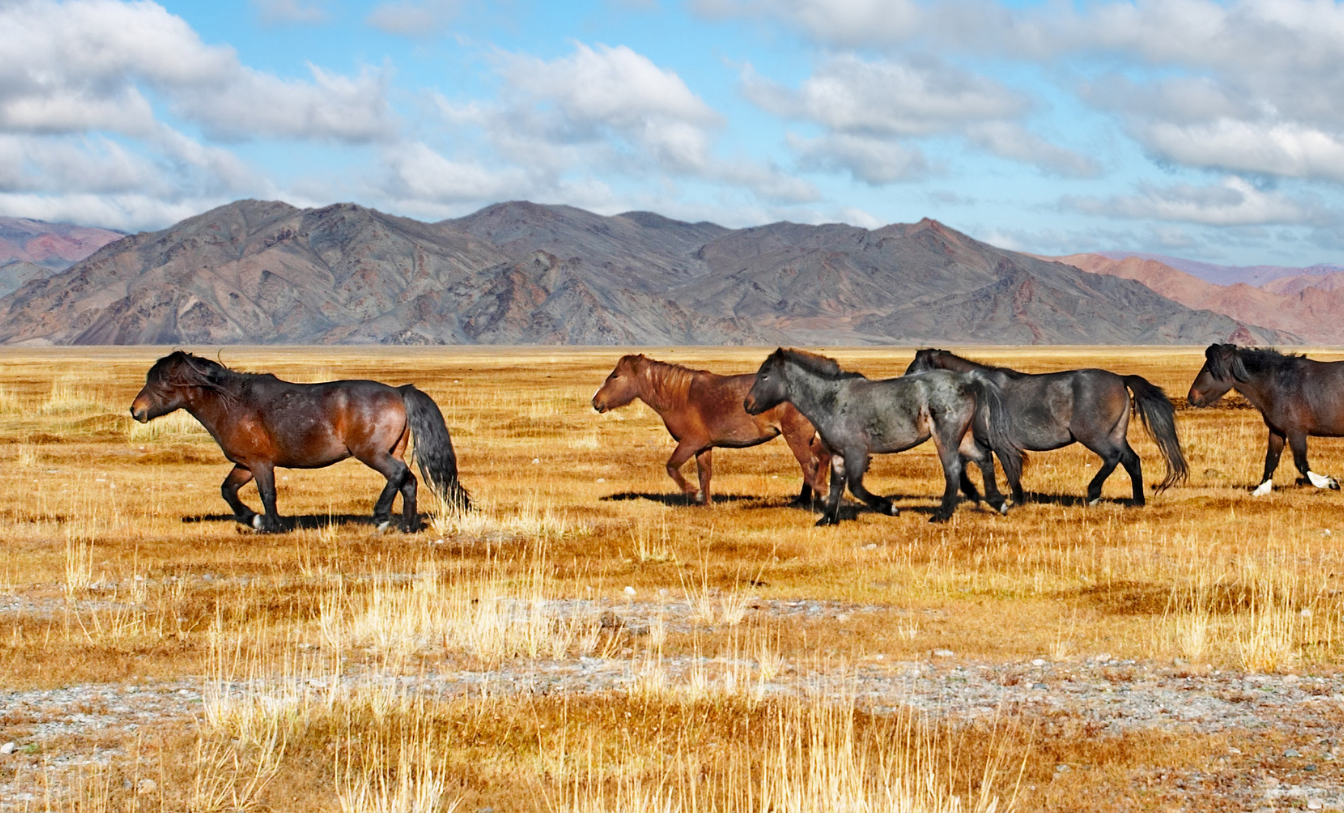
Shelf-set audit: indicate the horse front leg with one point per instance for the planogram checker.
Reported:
(1272, 453)
(680, 455)
(1298, 442)
(831, 514)
(856, 465)
(704, 465)
(237, 478)
(268, 522)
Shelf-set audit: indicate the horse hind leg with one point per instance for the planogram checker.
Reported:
(983, 458)
(1110, 458)
(680, 455)
(1298, 443)
(269, 522)
(238, 478)
(856, 465)
(1134, 468)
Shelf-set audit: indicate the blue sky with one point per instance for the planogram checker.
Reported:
(1206, 130)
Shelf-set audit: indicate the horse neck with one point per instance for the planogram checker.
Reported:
(957, 364)
(1257, 388)
(809, 391)
(212, 407)
(664, 387)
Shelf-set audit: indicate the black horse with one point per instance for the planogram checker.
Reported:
(1091, 407)
(261, 422)
(857, 418)
(1296, 396)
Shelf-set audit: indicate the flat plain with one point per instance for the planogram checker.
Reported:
(585, 640)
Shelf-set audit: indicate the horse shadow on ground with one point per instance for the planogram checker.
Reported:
(675, 499)
(309, 522)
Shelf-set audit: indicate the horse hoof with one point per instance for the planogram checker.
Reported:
(257, 522)
(1093, 501)
(384, 525)
(824, 521)
(939, 517)
(1263, 489)
(1001, 507)
(891, 510)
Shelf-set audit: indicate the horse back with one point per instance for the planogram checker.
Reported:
(716, 402)
(1309, 397)
(313, 425)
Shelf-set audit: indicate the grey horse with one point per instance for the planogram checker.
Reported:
(1091, 407)
(857, 418)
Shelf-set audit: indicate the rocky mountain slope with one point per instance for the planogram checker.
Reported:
(1310, 306)
(521, 273)
(1254, 275)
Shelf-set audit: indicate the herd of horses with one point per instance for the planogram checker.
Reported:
(832, 419)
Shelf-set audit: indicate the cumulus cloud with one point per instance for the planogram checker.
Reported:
(1232, 202)
(873, 161)
(837, 22)
(868, 107)
(290, 12)
(608, 110)
(89, 65)
(414, 19)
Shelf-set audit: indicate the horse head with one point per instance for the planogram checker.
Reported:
(1222, 369)
(925, 360)
(621, 387)
(169, 382)
(770, 389)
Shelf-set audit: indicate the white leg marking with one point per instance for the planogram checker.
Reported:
(1264, 488)
(256, 521)
(1321, 481)
(1094, 502)
(383, 526)
(837, 464)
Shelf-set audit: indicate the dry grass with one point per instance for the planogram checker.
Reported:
(344, 669)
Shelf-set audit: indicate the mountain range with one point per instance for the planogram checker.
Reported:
(1309, 305)
(524, 273)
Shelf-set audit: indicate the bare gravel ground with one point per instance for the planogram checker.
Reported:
(1282, 733)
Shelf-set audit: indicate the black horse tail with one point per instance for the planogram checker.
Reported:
(993, 414)
(1159, 418)
(434, 448)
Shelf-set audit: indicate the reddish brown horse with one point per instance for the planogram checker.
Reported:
(261, 422)
(703, 410)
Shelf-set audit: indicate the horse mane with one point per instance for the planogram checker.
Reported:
(991, 368)
(1243, 361)
(181, 369)
(815, 363)
(671, 383)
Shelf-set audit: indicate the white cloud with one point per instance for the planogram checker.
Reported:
(417, 172)
(849, 94)
(874, 161)
(291, 12)
(407, 18)
(1232, 202)
(1012, 141)
(610, 112)
(837, 22)
(90, 65)
(127, 212)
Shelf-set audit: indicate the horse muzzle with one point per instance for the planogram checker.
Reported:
(139, 411)
(599, 406)
(750, 405)
(1197, 399)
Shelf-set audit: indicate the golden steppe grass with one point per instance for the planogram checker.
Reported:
(343, 669)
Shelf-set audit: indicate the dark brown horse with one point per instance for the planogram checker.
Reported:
(261, 422)
(1296, 396)
(1091, 407)
(703, 410)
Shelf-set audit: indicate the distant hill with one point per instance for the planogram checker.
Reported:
(1309, 305)
(523, 273)
(1255, 275)
(54, 246)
